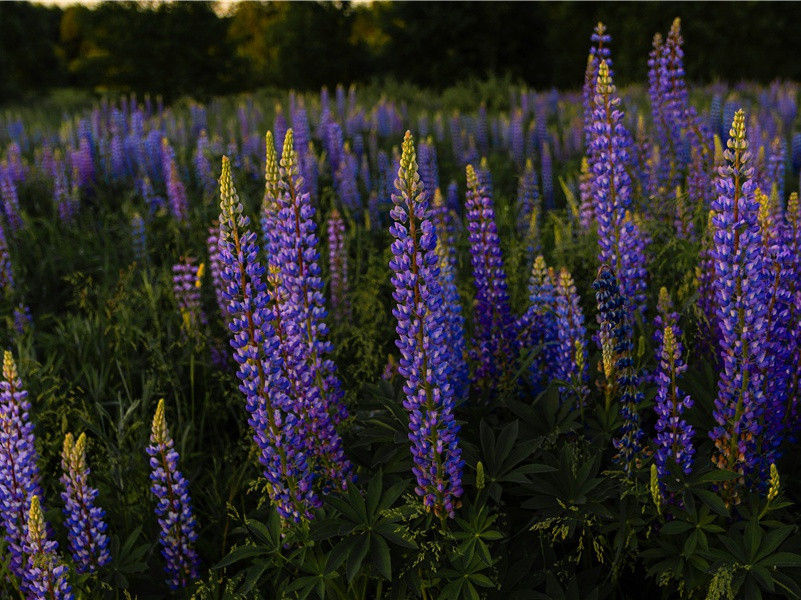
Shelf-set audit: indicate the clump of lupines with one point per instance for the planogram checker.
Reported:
(84, 521)
(45, 574)
(421, 329)
(741, 311)
(338, 265)
(174, 506)
(186, 281)
(495, 328)
(620, 239)
(272, 398)
(19, 474)
(8, 194)
(528, 197)
(674, 434)
(616, 337)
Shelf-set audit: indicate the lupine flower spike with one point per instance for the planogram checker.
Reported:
(173, 506)
(421, 326)
(46, 575)
(19, 474)
(739, 292)
(84, 521)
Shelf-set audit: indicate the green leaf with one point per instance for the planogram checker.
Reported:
(379, 554)
(781, 559)
(241, 553)
(676, 527)
(356, 557)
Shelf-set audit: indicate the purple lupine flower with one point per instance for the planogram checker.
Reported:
(45, 574)
(570, 353)
(528, 197)
(202, 164)
(174, 506)
(537, 326)
(275, 418)
(741, 312)
(793, 237)
(454, 330)
(186, 282)
(138, 237)
(345, 178)
(778, 365)
(494, 324)
(616, 337)
(17, 169)
(516, 139)
(621, 242)
(279, 127)
(22, 318)
(673, 433)
(587, 207)
(6, 273)
(8, 195)
(775, 171)
(429, 173)
(338, 266)
(19, 474)
(85, 523)
(599, 51)
(452, 200)
(176, 193)
(546, 173)
(82, 164)
(705, 277)
(303, 313)
(216, 268)
(421, 324)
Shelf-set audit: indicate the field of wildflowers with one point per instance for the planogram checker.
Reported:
(539, 345)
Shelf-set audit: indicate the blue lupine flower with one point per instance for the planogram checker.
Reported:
(621, 241)
(674, 434)
(616, 337)
(174, 506)
(421, 336)
(494, 325)
(86, 528)
(741, 312)
(19, 474)
(45, 575)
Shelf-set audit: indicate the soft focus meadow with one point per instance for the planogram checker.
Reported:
(380, 343)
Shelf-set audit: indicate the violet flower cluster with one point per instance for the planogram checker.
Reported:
(421, 319)
(616, 335)
(177, 522)
(741, 308)
(621, 242)
(45, 574)
(495, 331)
(186, 282)
(19, 474)
(673, 433)
(86, 527)
(338, 266)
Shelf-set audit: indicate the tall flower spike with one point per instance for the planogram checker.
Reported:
(338, 266)
(19, 474)
(674, 434)
(570, 332)
(85, 523)
(186, 280)
(741, 312)
(45, 576)
(421, 332)
(616, 335)
(174, 506)
(537, 326)
(275, 417)
(304, 312)
(620, 239)
(495, 331)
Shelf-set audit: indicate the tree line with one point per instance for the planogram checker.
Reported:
(201, 49)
